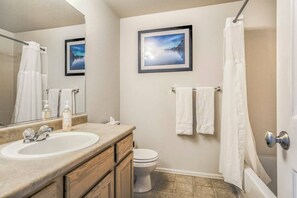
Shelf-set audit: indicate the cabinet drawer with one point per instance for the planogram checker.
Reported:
(80, 180)
(104, 189)
(123, 147)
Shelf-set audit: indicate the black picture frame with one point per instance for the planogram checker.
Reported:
(158, 34)
(70, 69)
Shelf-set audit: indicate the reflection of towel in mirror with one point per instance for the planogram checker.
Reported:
(53, 101)
(67, 94)
(44, 79)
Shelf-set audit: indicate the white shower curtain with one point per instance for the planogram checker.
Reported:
(237, 140)
(28, 104)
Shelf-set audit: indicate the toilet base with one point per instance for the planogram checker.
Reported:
(143, 183)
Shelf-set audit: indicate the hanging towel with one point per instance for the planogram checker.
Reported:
(28, 105)
(66, 94)
(184, 111)
(53, 101)
(205, 110)
(237, 141)
(44, 85)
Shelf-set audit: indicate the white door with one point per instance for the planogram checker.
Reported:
(287, 96)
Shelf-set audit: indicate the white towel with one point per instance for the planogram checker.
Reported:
(184, 111)
(44, 79)
(53, 101)
(205, 110)
(66, 95)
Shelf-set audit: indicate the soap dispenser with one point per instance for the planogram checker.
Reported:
(67, 117)
(46, 113)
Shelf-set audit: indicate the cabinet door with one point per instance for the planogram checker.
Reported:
(124, 178)
(54, 190)
(104, 189)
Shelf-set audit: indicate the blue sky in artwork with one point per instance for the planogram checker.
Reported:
(78, 50)
(164, 50)
(165, 41)
(77, 57)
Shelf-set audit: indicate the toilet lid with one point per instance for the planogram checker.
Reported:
(145, 155)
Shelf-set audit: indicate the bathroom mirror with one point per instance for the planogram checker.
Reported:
(28, 74)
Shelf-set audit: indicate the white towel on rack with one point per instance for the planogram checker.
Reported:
(66, 95)
(184, 111)
(53, 101)
(205, 110)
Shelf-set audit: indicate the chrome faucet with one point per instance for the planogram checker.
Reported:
(30, 135)
(43, 133)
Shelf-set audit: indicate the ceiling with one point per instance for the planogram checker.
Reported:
(127, 8)
(28, 15)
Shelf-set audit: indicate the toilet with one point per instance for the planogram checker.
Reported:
(145, 161)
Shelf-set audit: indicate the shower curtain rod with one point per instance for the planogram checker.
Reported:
(16, 40)
(240, 11)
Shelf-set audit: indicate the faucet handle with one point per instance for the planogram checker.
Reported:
(43, 133)
(45, 128)
(28, 135)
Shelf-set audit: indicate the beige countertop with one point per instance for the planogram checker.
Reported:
(20, 177)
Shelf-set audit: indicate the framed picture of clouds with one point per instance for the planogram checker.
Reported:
(165, 50)
(75, 57)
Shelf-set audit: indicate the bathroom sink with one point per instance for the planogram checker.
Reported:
(56, 144)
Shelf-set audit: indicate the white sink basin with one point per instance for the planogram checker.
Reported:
(56, 144)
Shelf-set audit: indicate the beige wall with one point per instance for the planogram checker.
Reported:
(260, 14)
(145, 100)
(6, 88)
(6, 46)
(260, 47)
(6, 78)
(102, 59)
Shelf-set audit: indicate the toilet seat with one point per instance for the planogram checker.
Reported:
(145, 156)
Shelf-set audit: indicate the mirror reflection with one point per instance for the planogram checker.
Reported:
(41, 60)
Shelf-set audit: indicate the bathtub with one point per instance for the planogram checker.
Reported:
(254, 186)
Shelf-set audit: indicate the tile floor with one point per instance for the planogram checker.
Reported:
(167, 185)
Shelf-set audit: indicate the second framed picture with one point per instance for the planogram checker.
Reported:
(75, 57)
(165, 50)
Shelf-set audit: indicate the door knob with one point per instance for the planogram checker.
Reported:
(283, 139)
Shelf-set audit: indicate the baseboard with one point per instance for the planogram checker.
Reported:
(191, 173)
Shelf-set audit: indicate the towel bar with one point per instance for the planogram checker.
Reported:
(218, 89)
(74, 90)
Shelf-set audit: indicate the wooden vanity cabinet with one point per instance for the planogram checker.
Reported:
(107, 175)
